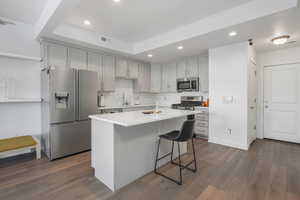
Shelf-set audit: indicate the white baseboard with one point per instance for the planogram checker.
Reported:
(229, 143)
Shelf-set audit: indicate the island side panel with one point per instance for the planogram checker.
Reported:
(135, 149)
(103, 152)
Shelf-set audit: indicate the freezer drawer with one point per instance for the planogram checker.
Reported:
(70, 138)
(87, 93)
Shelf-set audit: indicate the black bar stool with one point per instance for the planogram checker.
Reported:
(184, 135)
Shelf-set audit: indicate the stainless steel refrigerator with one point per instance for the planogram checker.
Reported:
(68, 97)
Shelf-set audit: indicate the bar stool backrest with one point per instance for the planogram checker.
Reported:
(187, 131)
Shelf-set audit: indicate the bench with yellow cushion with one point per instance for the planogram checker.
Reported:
(15, 144)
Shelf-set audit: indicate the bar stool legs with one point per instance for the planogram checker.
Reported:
(181, 167)
(195, 162)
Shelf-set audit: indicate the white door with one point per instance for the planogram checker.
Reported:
(252, 96)
(281, 102)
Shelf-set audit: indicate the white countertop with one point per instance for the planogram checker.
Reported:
(124, 107)
(135, 118)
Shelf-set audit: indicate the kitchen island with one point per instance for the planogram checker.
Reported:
(124, 145)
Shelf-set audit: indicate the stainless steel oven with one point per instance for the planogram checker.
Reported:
(188, 85)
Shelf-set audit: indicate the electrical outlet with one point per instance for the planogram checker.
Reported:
(229, 131)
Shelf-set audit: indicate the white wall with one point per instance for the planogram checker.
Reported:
(228, 78)
(20, 118)
(278, 57)
(19, 39)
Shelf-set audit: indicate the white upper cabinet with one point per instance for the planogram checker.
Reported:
(126, 69)
(133, 70)
(121, 68)
(172, 77)
(57, 56)
(142, 84)
(181, 68)
(169, 77)
(95, 64)
(192, 67)
(203, 73)
(77, 58)
(188, 67)
(155, 78)
(108, 80)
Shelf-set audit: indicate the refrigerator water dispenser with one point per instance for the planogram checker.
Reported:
(61, 100)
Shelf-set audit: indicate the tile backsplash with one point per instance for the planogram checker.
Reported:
(166, 99)
(124, 91)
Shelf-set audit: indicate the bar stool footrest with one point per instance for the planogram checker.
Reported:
(185, 166)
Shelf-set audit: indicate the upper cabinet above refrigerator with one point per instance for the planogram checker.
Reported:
(77, 58)
(56, 56)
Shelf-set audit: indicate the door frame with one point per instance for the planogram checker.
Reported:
(261, 87)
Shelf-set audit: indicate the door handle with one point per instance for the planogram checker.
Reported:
(252, 107)
(266, 106)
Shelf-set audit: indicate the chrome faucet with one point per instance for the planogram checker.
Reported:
(124, 100)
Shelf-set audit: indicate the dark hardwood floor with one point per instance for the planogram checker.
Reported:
(269, 171)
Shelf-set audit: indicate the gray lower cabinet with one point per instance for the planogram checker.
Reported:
(108, 70)
(155, 78)
(202, 124)
(138, 108)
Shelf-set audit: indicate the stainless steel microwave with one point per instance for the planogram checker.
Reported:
(188, 85)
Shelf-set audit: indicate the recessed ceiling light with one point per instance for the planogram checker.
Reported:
(180, 47)
(150, 55)
(280, 40)
(87, 22)
(116, 1)
(233, 33)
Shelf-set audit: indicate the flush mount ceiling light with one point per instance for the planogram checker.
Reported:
(86, 22)
(232, 33)
(150, 55)
(180, 47)
(116, 1)
(280, 40)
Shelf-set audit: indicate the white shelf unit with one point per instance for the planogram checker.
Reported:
(27, 100)
(16, 56)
